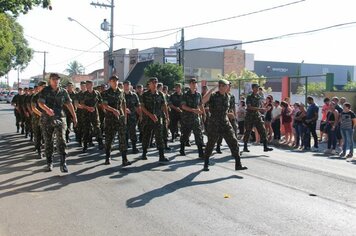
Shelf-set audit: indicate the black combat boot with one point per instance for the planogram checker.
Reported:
(39, 154)
(245, 148)
(162, 158)
(206, 164)
(181, 151)
(22, 130)
(266, 148)
(187, 144)
(63, 164)
(49, 163)
(238, 165)
(218, 150)
(125, 162)
(166, 147)
(17, 129)
(173, 137)
(26, 134)
(200, 151)
(67, 137)
(85, 147)
(101, 145)
(134, 148)
(31, 136)
(107, 158)
(144, 154)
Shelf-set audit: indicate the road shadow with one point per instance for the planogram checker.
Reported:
(187, 181)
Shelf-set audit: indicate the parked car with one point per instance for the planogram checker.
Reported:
(10, 96)
(3, 95)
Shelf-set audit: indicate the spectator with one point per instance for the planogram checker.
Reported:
(310, 121)
(337, 127)
(294, 126)
(287, 122)
(299, 120)
(332, 119)
(268, 120)
(347, 125)
(276, 122)
(324, 111)
(241, 113)
(342, 101)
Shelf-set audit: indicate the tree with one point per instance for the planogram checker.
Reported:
(14, 50)
(22, 6)
(74, 68)
(314, 89)
(350, 86)
(348, 77)
(168, 74)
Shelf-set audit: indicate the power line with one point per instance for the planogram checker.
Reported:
(62, 47)
(276, 37)
(218, 20)
(162, 36)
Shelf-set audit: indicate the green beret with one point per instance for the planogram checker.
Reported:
(83, 83)
(42, 83)
(224, 81)
(255, 86)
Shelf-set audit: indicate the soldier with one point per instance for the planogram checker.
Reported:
(219, 124)
(139, 92)
(90, 101)
(36, 118)
(232, 117)
(132, 108)
(154, 108)
(72, 95)
(17, 110)
(101, 90)
(160, 87)
(21, 105)
(175, 114)
(80, 112)
(253, 118)
(115, 119)
(51, 100)
(192, 107)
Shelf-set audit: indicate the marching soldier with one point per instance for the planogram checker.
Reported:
(139, 92)
(21, 105)
(132, 108)
(101, 90)
(17, 110)
(90, 101)
(51, 100)
(254, 119)
(219, 124)
(154, 108)
(28, 108)
(192, 107)
(36, 118)
(115, 119)
(80, 112)
(72, 95)
(175, 115)
(160, 88)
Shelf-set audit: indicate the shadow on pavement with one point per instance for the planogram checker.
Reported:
(187, 181)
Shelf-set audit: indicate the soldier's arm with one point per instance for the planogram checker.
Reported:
(70, 107)
(207, 95)
(34, 109)
(44, 107)
(165, 110)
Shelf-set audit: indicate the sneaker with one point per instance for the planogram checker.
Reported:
(333, 152)
(350, 155)
(327, 151)
(342, 154)
(315, 149)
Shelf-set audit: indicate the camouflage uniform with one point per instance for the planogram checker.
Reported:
(175, 99)
(21, 104)
(139, 123)
(56, 124)
(113, 124)
(165, 125)
(219, 125)
(153, 102)
(36, 124)
(91, 122)
(80, 117)
(191, 122)
(101, 116)
(28, 119)
(69, 117)
(132, 103)
(15, 102)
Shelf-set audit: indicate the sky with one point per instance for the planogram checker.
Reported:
(65, 40)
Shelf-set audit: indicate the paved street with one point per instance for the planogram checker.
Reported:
(282, 193)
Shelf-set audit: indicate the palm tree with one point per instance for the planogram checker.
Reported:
(74, 68)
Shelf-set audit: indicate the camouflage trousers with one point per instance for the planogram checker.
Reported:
(131, 128)
(36, 128)
(149, 127)
(254, 120)
(51, 128)
(18, 119)
(28, 124)
(234, 126)
(115, 125)
(221, 128)
(91, 127)
(175, 118)
(187, 126)
(69, 124)
(79, 128)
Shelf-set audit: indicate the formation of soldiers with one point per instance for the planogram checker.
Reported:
(47, 114)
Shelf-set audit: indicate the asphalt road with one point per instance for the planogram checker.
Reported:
(282, 193)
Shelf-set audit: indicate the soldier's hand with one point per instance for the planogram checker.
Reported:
(179, 110)
(116, 113)
(154, 118)
(75, 122)
(231, 116)
(128, 111)
(91, 109)
(50, 112)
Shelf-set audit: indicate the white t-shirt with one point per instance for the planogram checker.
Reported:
(277, 111)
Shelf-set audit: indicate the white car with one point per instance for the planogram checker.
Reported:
(10, 96)
(3, 95)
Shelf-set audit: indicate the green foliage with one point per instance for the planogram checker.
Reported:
(15, 7)
(14, 50)
(168, 74)
(350, 86)
(74, 68)
(314, 89)
(348, 76)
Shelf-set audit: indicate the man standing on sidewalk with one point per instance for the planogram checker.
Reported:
(311, 120)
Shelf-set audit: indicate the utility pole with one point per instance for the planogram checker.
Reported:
(44, 63)
(111, 6)
(182, 53)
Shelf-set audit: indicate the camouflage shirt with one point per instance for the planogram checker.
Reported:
(176, 99)
(219, 106)
(253, 100)
(92, 99)
(192, 100)
(114, 99)
(232, 107)
(132, 102)
(54, 100)
(153, 102)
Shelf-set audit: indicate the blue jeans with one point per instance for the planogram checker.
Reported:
(299, 130)
(347, 136)
(331, 136)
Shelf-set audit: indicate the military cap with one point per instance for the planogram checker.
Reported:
(69, 83)
(42, 83)
(83, 83)
(139, 86)
(224, 81)
(114, 77)
(120, 83)
(25, 88)
(103, 85)
(20, 89)
(193, 80)
(255, 86)
(127, 82)
(178, 85)
(152, 79)
(88, 82)
(54, 76)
